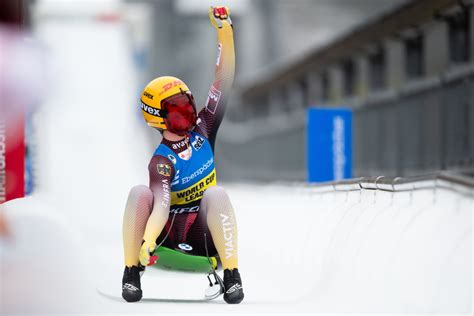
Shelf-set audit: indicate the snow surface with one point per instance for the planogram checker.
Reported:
(300, 251)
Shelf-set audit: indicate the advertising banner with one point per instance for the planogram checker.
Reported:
(329, 144)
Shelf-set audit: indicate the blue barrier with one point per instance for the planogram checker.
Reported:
(329, 144)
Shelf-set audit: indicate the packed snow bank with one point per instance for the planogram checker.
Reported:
(395, 246)
(43, 260)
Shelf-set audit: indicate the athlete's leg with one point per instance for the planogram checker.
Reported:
(137, 212)
(222, 224)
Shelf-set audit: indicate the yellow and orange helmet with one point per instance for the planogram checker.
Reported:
(168, 104)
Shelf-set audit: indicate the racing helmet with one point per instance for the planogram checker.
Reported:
(168, 104)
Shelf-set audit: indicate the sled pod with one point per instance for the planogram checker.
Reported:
(176, 260)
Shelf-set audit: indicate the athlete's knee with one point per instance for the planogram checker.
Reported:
(140, 199)
(216, 197)
(216, 191)
(141, 191)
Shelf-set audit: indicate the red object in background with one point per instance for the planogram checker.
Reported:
(109, 17)
(14, 16)
(13, 139)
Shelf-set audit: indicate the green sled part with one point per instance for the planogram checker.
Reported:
(176, 260)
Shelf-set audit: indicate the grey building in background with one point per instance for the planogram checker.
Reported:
(407, 74)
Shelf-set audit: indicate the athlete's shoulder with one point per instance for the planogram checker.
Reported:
(162, 150)
(164, 156)
(163, 165)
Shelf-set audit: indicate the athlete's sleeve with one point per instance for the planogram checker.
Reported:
(212, 114)
(161, 172)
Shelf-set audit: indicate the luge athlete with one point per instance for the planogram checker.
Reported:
(183, 201)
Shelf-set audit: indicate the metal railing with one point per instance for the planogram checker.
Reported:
(456, 182)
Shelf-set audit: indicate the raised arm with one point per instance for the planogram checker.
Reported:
(212, 114)
(161, 174)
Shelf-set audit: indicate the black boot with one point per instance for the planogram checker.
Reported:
(234, 293)
(131, 286)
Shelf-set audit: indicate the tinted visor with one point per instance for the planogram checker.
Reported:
(180, 113)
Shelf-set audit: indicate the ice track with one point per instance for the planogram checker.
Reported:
(300, 251)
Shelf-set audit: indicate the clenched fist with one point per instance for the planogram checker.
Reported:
(220, 17)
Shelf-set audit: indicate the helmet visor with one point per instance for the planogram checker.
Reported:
(180, 113)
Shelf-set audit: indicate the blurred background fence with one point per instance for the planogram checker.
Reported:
(419, 132)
